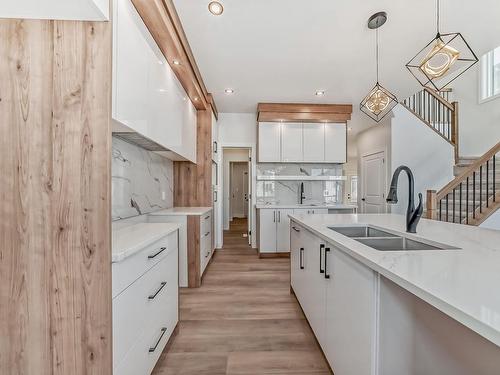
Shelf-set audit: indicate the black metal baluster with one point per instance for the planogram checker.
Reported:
(487, 183)
(460, 206)
(454, 203)
(474, 194)
(467, 203)
(481, 189)
(494, 179)
(447, 208)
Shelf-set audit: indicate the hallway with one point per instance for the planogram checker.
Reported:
(243, 320)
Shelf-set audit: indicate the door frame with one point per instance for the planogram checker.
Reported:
(232, 164)
(362, 179)
(252, 222)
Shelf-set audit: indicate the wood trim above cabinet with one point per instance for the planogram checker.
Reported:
(290, 112)
(164, 24)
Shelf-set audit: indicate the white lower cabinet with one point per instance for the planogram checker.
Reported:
(338, 296)
(274, 230)
(145, 311)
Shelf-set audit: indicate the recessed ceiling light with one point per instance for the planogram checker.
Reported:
(176, 62)
(215, 8)
(320, 92)
(229, 91)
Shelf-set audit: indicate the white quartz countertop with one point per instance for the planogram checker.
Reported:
(129, 240)
(180, 211)
(309, 206)
(464, 284)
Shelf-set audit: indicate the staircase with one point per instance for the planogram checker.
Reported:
(474, 193)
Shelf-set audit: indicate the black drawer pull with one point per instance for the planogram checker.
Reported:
(207, 217)
(295, 229)
(327, 250)
(162, 285)
(162, 249)
(206, 234)
(301, 258)
(153, 349)
(321, 247)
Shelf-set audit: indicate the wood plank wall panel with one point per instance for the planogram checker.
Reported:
(193, 245)
(193, 182)
(55, 149)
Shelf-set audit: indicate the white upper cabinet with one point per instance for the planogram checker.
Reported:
(269, 142)
(292, 142)
(314, 142)
(335, 143)
(147, 96)
(302, 142)
(79, 10)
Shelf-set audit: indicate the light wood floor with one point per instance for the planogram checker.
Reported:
(242, 320)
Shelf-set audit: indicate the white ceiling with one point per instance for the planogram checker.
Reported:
(285, 50)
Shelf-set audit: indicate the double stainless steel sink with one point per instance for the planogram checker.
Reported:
(384, 240)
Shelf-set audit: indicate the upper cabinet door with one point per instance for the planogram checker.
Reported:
(292, 142)
(269, 142)
(314, 143)
(78, 10)
(336, 143)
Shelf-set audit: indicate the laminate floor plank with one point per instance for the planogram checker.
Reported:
(243, 320)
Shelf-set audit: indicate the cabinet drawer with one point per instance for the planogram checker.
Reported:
(143, 355)
(130, 269)
(206, 223)
(144, 303)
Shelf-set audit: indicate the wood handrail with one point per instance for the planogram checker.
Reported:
(439, 98)
(468, 172)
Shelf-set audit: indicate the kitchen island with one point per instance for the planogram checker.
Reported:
(424, 311)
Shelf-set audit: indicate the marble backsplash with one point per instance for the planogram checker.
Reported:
(288, 192)
(142, 181)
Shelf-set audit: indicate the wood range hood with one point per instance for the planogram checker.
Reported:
(301, 112)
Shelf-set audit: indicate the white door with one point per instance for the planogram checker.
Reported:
(336, 143)
(314, 142)
(267, 231)
(239, 189)
(350, 315)
(269, 142)
(291, 142)
(374, 183)
(283, 231)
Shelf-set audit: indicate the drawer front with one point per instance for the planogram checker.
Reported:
(142, 357)
(205, 250)
(206, 223)
(144, 303)
(126, 272)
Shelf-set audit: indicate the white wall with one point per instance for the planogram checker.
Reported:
(371, 141)
(429, 156)
(239, 130)
(493, 222)
(479, 124)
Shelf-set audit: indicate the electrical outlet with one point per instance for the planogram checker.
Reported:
(163, 195)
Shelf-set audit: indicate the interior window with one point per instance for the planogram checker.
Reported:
(490, 75)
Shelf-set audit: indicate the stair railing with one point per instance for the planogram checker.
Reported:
(472, 196)
(435, 110)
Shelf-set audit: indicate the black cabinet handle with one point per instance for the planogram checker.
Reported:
(162, 249)
(321, 247)
(162, 285)
(215, 146)
(301, 258)
(215, 196)
(153, 349)
(295, 229)
(327, 275)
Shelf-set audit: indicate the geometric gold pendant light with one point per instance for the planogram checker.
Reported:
(379, 101)
(442, 60)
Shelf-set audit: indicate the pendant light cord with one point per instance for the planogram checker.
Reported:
(377, 52)
(438, 16)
